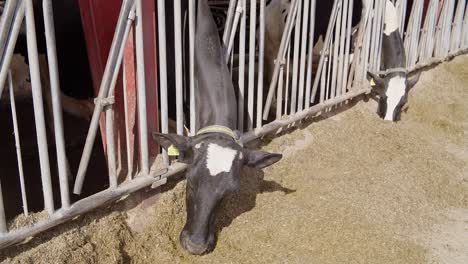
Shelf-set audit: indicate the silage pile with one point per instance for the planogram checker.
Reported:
(350, 188)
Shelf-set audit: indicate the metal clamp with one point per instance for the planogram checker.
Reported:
(103, 102)
(281, 62)
(239, 9)
(132, 15)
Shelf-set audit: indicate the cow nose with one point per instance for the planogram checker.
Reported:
(192, 247)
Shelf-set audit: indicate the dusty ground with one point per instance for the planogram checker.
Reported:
(350, 189)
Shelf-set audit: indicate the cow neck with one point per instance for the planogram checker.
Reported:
(214, 95)
(393, 51)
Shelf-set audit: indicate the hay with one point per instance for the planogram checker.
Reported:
(351, 188)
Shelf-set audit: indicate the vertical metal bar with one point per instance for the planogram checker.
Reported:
(375, 33)
(240, 103)
(38, 109)
(322, 78)
(192, 66)
(163, 71)
(6, 20)
(250, 101)
(127, 126)
(109, 112)
(281, 53)
(336, 43)
(401, 7)
(118, 43)
(18, 145)
(302, 67)
(140, 58)
(56, 104)
(110, 142)
(310, 52)
(279, 101)
(232, 63)
(326, 43)
(261, 62)
(329, 73)
(8, 53)
(239, 12)
(342, 32)
(3, 225)
(365, 54)
(297, 43)
(348, 47)
(380, 36)
(288, 64)
(457, 28)
(465, 29)
(178, 67)
(229, 19)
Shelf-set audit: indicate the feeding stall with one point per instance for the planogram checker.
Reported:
(141, 57)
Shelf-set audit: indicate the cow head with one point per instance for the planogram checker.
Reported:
(215, 162)
(393, 92)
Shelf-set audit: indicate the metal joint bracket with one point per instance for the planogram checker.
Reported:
(132, 15)
(281, 62)
(239, 9)
(103, 102)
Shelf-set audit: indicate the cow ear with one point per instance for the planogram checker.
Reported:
(412, 81)
(260, 159)
(166, 140)
(378, 84)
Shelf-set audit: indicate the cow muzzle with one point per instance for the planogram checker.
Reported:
(193, 247)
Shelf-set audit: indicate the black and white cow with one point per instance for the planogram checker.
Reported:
(275, 19)
(215, 155)
(73, 64)
(394, 86)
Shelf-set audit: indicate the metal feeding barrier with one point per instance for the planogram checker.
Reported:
(301, 85)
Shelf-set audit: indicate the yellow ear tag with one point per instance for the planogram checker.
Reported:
(172, 151)
(372, 83)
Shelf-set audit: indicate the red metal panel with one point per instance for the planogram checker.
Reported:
(149, 32)
(99, 19)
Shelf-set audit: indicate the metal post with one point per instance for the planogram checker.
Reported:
(239, 11)
(261, 62)
(343, 35)
(302, 69)
(18, 145)
(282, 49)
(192, 66)
(297, 43)
(288, 64)
(347, 48)
(229, 19)
(8, 54)
(163, 71)
(118, 43)
(325, 44)
(127, 126)
(56, 104)
(310, 54)
(240, 103)
(279, 98)
(140, 59)
(336, 44)
(38, 109)
(250, 102)
(6, 20)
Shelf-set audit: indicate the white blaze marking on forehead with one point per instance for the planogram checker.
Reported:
(391, 18)
(395, 91)
(219, 159)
